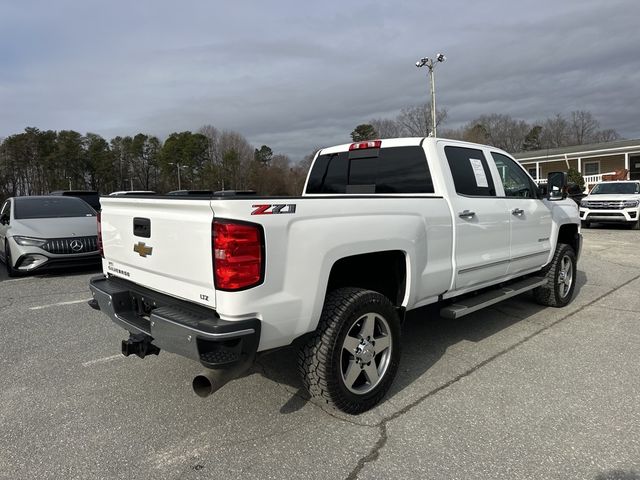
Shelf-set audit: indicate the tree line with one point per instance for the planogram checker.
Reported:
(37, 162)
(502, 131)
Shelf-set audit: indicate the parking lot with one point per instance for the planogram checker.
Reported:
(515, 391)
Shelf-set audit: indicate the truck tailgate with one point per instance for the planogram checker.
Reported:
(162, 244)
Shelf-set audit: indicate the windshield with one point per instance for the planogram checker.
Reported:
(616, 188)
(51, 207)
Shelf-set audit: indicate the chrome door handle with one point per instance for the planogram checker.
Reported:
(517, 212)
(467, 214)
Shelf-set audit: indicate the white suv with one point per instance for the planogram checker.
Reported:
(612, 202)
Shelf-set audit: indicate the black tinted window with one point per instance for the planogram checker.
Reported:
(89, 196)
(616, 188)
(51, 207)
(470, 171)
(329, 174)
(393, 170)
(92, 199)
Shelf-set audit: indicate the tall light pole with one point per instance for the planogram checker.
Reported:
(431, 64)
(178, 166)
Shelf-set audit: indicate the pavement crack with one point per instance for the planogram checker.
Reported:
(374, 453)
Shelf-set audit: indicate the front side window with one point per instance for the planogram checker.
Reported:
(516, 183)
(51, 207)
(388, 170)
(470, 171)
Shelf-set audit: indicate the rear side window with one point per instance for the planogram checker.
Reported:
(393, 170)
(470, 172)
(51, 207)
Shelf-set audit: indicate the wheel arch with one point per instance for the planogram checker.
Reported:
(384, 272)
(568, 234)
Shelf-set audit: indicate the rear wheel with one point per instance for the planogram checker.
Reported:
(561, 278)
(8, 261)
(352, 359)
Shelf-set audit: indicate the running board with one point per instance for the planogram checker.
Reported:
(472, 304)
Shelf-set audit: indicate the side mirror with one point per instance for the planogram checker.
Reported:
(557, 185)
(4, 219)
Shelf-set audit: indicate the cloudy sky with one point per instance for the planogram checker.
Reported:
(295, 75)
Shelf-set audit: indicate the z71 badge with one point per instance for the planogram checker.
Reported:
(273, 209)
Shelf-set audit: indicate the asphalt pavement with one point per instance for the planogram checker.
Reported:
(516, 391)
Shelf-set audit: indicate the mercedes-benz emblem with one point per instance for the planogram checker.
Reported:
(76, 245)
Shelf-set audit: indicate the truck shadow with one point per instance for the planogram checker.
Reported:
(426, 337)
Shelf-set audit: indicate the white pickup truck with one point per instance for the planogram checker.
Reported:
(383, 227)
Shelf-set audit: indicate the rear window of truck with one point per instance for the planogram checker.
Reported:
(392, 170)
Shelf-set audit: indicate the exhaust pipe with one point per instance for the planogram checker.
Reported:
(211, 381)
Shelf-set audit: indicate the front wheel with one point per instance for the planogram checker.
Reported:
(561, 278)
(8, 261)
(585, 224)
(352, 359)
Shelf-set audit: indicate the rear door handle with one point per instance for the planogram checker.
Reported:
(517, 212)
(467, 214)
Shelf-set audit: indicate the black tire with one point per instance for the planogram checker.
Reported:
(635, 225)
(585, 224)
(561, 278)
(8, 261)
(333, 362)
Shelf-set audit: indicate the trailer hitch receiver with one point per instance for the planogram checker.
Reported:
(140, 345)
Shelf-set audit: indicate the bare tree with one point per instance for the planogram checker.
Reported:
(416, 121)
(386, 128)
(212, 135)
(502, 131)
(583, 127)
(606, 135)
(555, 132)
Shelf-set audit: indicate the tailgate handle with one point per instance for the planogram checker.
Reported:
(142, 227)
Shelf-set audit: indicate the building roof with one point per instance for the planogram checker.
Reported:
(606, 148)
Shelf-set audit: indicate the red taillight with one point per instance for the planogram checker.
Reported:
(238, 255)
(365, 145)
(100, 249)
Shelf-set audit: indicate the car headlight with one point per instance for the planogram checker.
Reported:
(30, 241)
(583, 203)
(630, 203)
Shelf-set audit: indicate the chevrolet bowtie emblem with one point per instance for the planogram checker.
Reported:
(141, 249)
